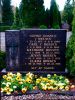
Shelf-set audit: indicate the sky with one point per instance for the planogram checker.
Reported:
(60, 3)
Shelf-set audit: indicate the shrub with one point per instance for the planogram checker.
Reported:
(43, 27)
(55, 26)
(70, 55)
(4, 28)
(70, 52)
(2, 60)
(14, 27)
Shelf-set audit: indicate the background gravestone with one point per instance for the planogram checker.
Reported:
(12, 50)
(42, 50)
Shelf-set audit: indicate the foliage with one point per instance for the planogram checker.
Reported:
(54, 14)
(32, 12)
(4, 28)
(17, 21)
(67, 14)
(2, 60)
(43, 27)
(17, 82)
(55, 26)
(70, 53)
(7, 13)
(47, 18)
(17, 17)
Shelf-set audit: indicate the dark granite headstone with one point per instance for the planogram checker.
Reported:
(42, 50)
(36, 50)
(12, 50)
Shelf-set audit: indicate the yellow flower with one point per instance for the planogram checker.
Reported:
(4, 76)
(47, 84)
(24, 90)
(52, 81)
(44, 79)
(18, 74)
(35, 88)
(56, 88)
(30, 75)
(42, 84)
(2, 90)
(28, 80)
(67, 88)
(9, 78)
(38, 81)
(8, 90)
(67, 81)
(44, 87)
(10, 74)
(18, 78)
(50, 87)
(41, 77)
(49, 81)
(20, 82)
(61, 87)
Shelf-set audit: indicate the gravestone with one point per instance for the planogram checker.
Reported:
(12, 50)
(36, 50)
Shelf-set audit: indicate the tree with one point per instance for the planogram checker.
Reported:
(17, 20)
(0, 10)
(7, 13)
(54, 15)
(67, 15)
(47, 18)
(70, 52)
(32, 12)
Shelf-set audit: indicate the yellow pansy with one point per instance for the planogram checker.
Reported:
(18, 74)
(18, 78)
(20, 82)
(47, 84)
(9, 78)
(10, 74)
(38, 81)
(44, 87)
(30, 75)
(28, 80)
(44, 79)
(4, 76)
(35, 88)
(24, 90)
(50, 87)
(2, 90)
(61, 87)
(67, 88)
(42, 84)
(52, 81)
(56, 88)
(67, 81)
(8, 90)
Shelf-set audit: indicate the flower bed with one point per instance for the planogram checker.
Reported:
(17, 83)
